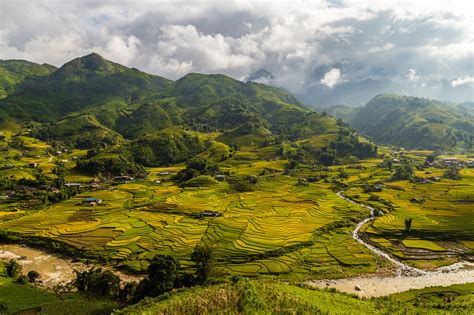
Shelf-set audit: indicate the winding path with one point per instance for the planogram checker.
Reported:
(403, 269)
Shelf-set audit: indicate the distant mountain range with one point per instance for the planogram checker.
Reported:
(354, 85)
(411, 122)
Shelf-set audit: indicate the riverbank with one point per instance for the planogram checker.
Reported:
(53, 269)
(407, 277)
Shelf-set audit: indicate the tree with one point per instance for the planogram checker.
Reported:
(341, 173)
(430, 159)
(33, 276)
(97, 281)
(408, 223)
(202, 257)
(404, 171)
(59, 170)
(291, 165)
(195, 167)
(162, 274)
(13, 268)
(452, 173)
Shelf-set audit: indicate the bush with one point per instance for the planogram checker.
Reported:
(403, 172)
(452, 173)
(13, 268)
(33, 276)
(97, 281)
(202, 257)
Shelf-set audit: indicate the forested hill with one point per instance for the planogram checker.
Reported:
(13, 72)
(96, 104)
(97, 99)
(414, 122)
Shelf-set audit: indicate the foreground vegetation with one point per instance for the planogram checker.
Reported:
(243, 296)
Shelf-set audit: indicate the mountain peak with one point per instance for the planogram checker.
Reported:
(261, 74)
(90, 63)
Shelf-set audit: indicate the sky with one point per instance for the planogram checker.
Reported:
(313, 48)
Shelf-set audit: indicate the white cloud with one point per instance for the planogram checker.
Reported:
(291, 39)
(332, 77)
(460, 81)
(411, 75)
(386, 47)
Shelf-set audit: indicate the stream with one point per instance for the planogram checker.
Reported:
(407, 277)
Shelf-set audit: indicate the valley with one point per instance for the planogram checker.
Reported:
(236, 187)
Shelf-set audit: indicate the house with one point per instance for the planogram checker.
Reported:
(64, 161)
(220, 177)
(4, 197)
(378, 186)
(157, 181)
(125, 179)
(94, 185)
(91, 201)
(210, 213)
(167, 172)
(33, 164)
(79, 185)
(450, 161)
(470, 164)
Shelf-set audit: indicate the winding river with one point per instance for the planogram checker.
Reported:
(407, 277)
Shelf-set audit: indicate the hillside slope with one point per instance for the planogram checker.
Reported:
(90, 97)
(414, 123)
(13, 72)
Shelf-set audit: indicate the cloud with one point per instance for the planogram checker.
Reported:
(378, 40)
(411, 75)
(332, 77)
(462, 81)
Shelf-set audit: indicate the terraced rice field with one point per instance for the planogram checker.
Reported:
(278, 229)
(442, 230)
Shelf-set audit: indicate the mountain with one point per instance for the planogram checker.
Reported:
(343, 112)
(90, 100)
(261, 75)
(87, 82)
(414, 122)
(13, 72)
(352, 83)
(352, 93)
(128, 118)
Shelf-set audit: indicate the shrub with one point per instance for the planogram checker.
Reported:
(452, 173)
(12, 268)
(33, 276)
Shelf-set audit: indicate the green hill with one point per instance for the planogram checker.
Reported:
(413, 122)
(94, 97)
(94, 103)
(83, 83)
(13, 72)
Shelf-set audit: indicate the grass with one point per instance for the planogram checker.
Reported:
(270, 297)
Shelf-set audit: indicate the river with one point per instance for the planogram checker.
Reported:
(407, 277)
(53, 269)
